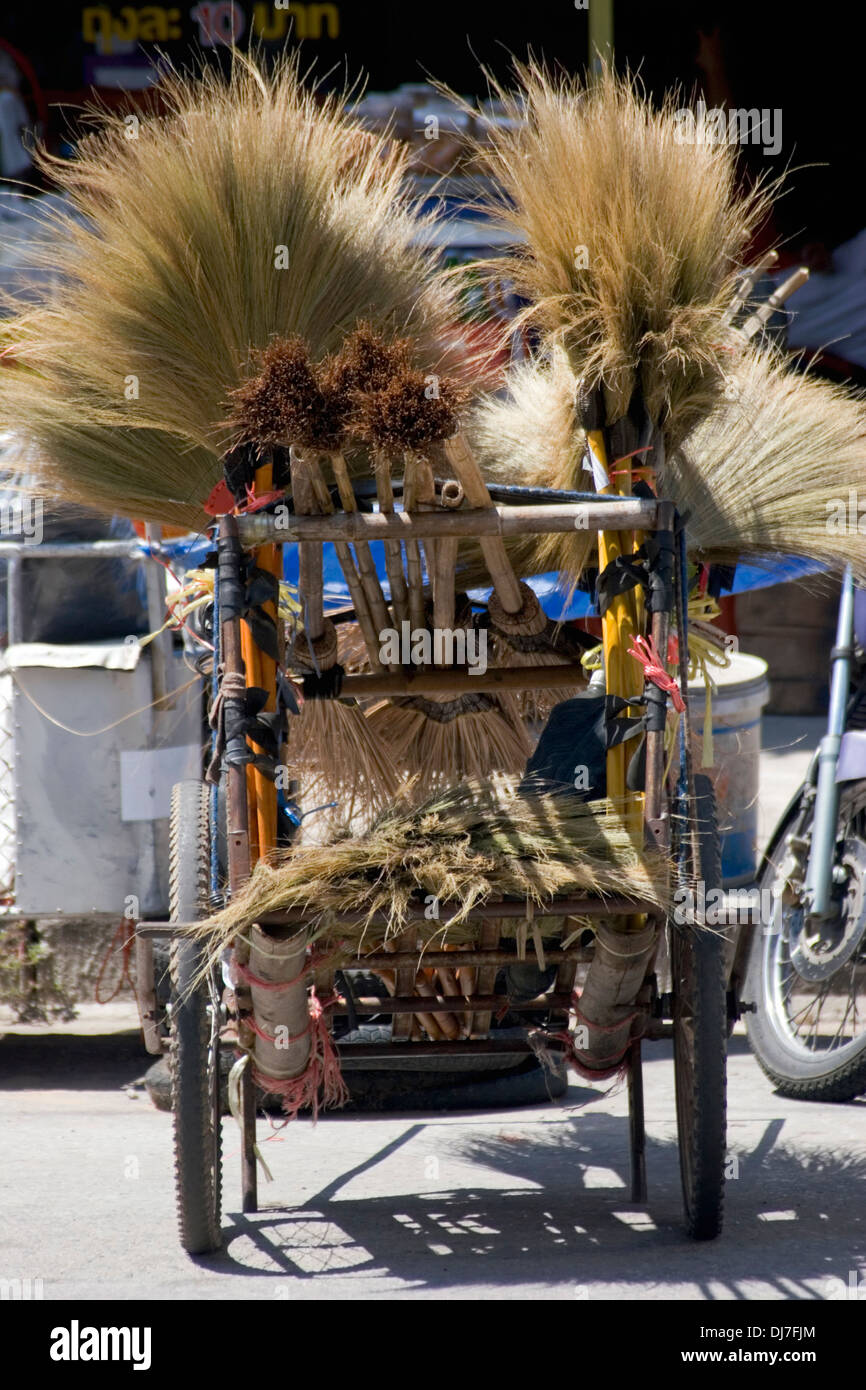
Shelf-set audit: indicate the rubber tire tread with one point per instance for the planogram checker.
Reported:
(197, 1150)
(702, 1116)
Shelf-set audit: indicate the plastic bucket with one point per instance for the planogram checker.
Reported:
(741, 692)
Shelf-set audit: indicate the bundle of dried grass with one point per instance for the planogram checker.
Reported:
(633, 236)
(778, 469)
(440, 742)
(340, 761)
(767, 473)
(253, 207)
(469, 845)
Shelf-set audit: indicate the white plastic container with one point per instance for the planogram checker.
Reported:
(741, 694)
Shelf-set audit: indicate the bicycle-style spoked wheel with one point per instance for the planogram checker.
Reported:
(699, 1009)
(194, 1035)
(807, 980)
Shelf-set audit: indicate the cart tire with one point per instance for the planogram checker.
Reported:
(194, 1079)
(699, 1007)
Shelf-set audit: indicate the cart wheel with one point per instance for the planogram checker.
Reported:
(700, 1043)
(194, 1045)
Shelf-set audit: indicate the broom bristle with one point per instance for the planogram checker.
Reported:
(466, 845)
(283, 403)
(434, 753)
(531, 436)
(770, 472)
(337, 755)
(633, 236)
(254, 207)
(367, 360)
(401, 415)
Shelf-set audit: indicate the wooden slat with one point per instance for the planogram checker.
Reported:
(489, 936)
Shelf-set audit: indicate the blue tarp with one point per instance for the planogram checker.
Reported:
(548, 587)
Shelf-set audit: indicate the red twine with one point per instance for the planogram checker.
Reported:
(320, 1084)
(317, 961)
(645, 651)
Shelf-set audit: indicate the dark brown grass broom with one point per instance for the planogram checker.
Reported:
(413, 414)
(331, 739)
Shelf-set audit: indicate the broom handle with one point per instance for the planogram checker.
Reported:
(268, 558)
(747, 284)
(414, 571)
(310, 581)
(249, 656)
(465, 465)
(756, 321)
(424, 495)
(622, 674)
(366, 565)
(393, 551)
(344, 555)
(444, 570)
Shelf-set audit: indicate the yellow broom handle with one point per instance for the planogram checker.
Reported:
(618, 626)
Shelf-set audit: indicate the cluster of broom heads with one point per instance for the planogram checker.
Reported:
(251, 269)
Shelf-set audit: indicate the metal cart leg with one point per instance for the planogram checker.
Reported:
(637, 1132)
(249, 1176)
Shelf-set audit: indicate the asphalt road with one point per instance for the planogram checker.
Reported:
(515, 1204)
(520, 1204)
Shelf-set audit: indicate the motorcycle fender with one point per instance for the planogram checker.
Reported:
(851, 766)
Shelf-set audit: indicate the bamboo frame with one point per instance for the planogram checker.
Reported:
(465, 465)
(359, 591)
(448, 682)
(475, 523)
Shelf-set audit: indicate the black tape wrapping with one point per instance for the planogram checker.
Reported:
(660, 560)
(621, 575)
(262, 587)
(286, 698)
(326, 686)
(231, 590)
(619, 729)
(264, 631)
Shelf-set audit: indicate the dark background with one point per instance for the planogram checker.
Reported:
(809, 64)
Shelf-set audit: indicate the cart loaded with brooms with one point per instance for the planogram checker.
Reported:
(433, 827)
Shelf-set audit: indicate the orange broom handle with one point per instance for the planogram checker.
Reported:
(269, 558)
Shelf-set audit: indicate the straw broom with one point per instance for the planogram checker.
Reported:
(633, 239)
(252, 207)
(780, 469)
(766, 473)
